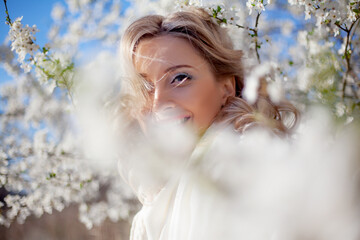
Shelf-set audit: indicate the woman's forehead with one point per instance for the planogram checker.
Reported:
(159, 53)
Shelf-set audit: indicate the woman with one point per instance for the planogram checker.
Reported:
(185, 71)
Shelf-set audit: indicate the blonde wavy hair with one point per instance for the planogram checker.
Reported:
(215, 46)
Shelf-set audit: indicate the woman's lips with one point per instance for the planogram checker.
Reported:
(177, 120)
(172, 116)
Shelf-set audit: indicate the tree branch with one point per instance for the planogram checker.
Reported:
(256, 35)
(342, 28)
(8, 20)
(347, 55)
(237, 25)
(254, 30)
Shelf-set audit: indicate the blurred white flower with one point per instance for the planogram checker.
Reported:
(58, 12)
(252, 82)
(275, 91)
(305, 78)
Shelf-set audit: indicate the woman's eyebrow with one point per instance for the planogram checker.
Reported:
(172, 68)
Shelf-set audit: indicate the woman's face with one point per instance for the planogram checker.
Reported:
(182, 87)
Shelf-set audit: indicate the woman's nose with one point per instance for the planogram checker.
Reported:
(162, 100)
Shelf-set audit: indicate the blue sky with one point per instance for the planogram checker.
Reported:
(33, 12)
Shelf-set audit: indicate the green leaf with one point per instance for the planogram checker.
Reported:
(68, 68)
(51, 175)
(87, 181)
(45, 50)
(356, 11)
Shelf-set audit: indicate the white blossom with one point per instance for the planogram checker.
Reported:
(23, 41)
(256, 5)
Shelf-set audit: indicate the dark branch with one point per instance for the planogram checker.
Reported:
(342, 28)
(347, 54)
(8, 20)
(256, 35)
(221, 20)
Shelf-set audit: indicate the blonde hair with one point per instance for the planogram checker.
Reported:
(215, 46)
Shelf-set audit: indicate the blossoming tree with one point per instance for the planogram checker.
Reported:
(306, 48)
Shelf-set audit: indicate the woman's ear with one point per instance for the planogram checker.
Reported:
(229, 88)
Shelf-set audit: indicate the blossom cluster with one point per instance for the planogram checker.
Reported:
(329, 64)
(224, 10)
(23, 41)
(82, 21)
(256, 5)
(51, 70)
(335, 13)
(54, 70)
(223, 13)
(42, 168)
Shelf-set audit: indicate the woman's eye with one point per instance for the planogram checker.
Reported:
(180, 78)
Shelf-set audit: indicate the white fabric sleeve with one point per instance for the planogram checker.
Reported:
(138, 230)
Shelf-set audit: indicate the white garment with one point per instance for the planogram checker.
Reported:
(261, 188)
(186, 210)
(188, 207)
